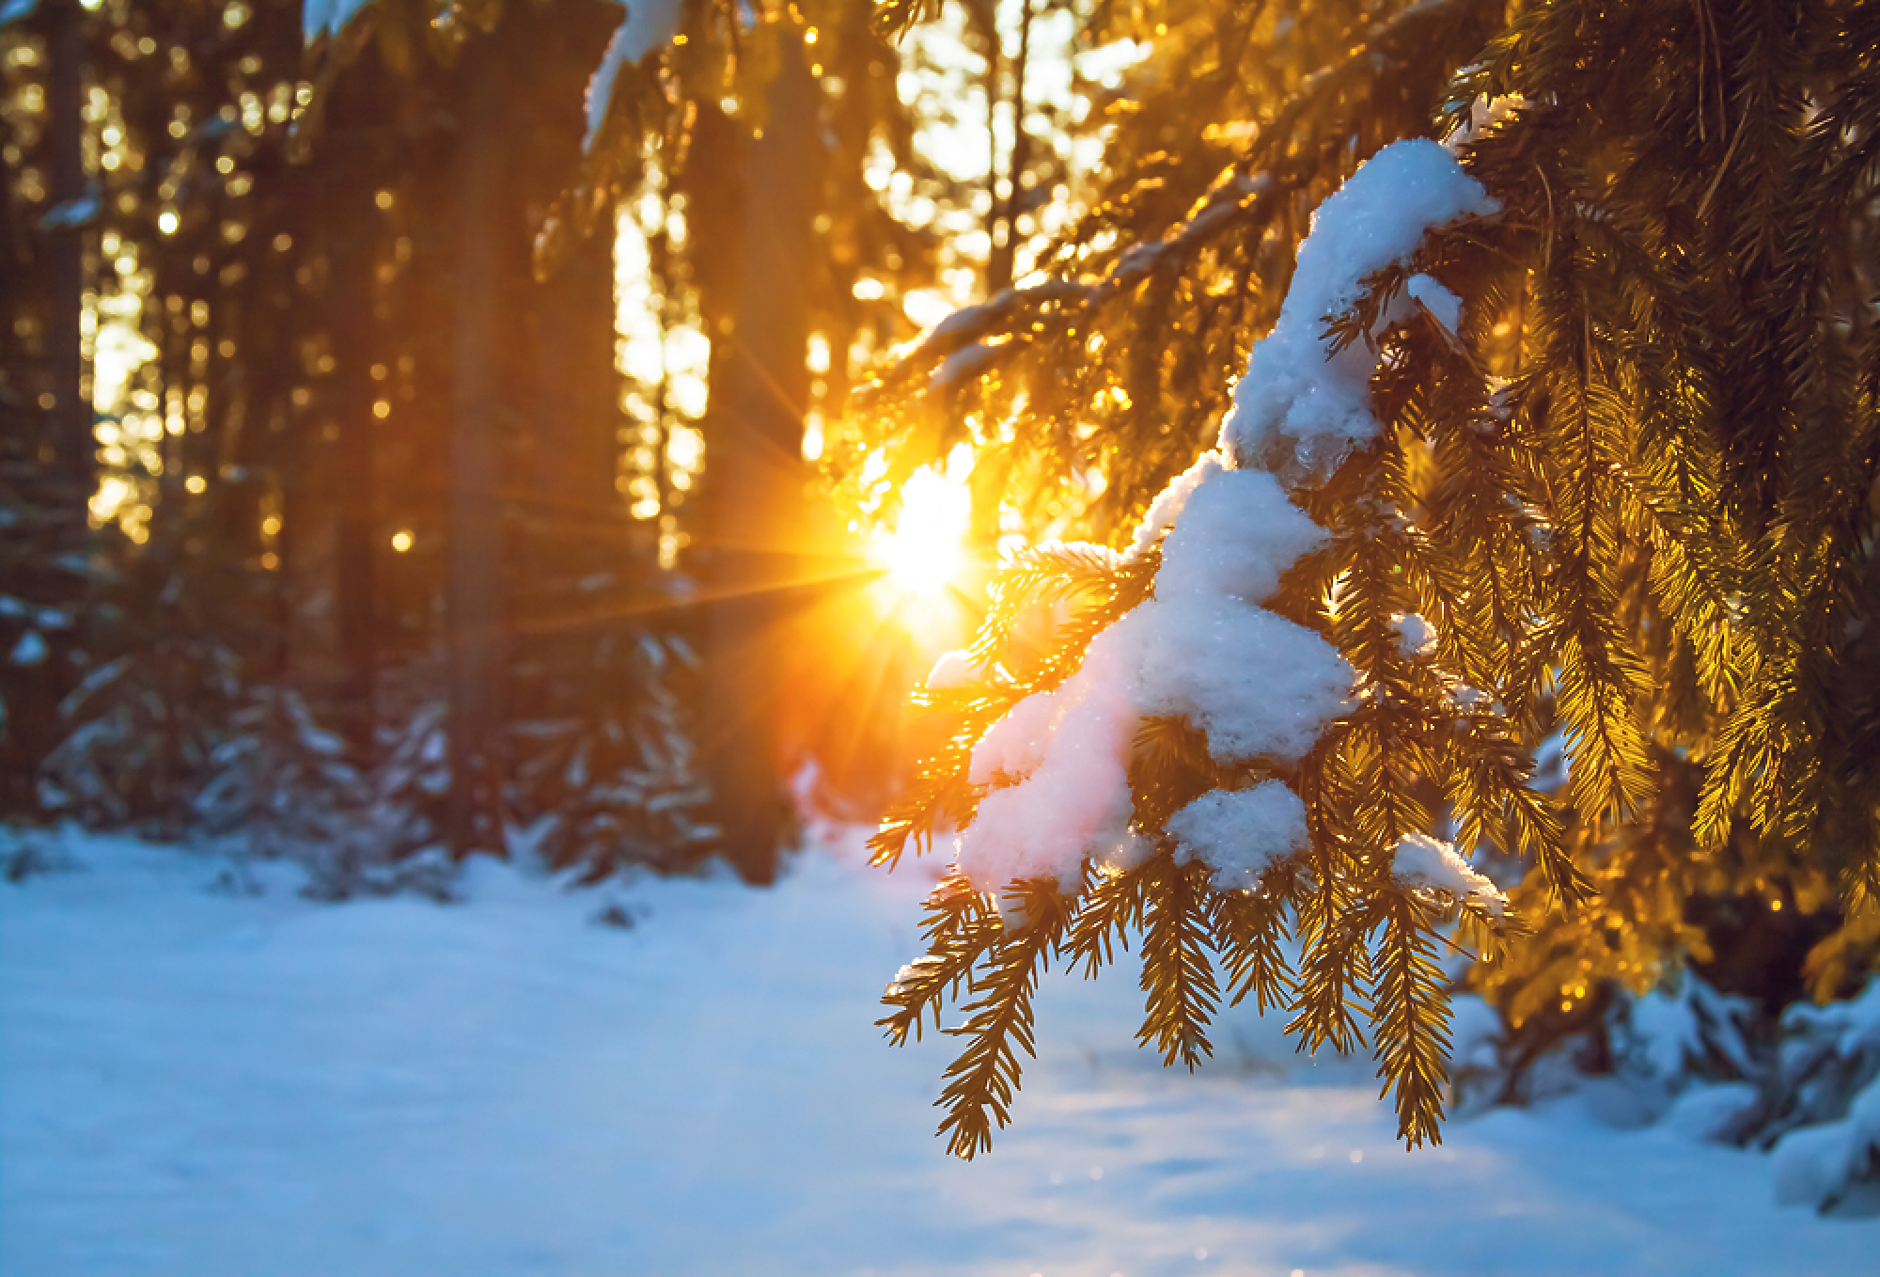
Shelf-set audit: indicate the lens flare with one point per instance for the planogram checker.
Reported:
(925, 554)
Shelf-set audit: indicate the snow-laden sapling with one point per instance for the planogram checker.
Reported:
(1244, 729)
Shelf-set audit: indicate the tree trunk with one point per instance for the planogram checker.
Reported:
(356, 550)
(755, 473)
(475, 571)
(64, 246)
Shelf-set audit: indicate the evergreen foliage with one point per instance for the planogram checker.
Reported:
(44, 572)
(615, 788)
(281, 780)
(1630, 486)
(144, 726)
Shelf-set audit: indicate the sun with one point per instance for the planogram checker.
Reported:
(924, 555)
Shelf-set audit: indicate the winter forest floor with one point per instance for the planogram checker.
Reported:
(197, 1080)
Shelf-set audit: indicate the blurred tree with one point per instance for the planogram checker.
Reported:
(555, 696)
(763, 140)
(755, 486)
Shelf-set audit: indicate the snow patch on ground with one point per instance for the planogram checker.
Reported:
(199, 1080)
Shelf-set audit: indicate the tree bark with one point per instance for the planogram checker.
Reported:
(64, 246)
(475, 569)
(755, 474)
(356, 557)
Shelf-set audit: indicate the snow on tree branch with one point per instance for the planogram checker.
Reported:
(649, 25)
(1259, 686)
(1427, 864)
(328, 17)
(1296, 412)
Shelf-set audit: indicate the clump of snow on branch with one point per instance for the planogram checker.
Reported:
(1169, 502)
(1070, 747)
(1427, 864)
(1204, 649)
(1257, 684)
(1240, 833)
(327, 17)
(649, 25)
(1485, 115)
(1294, 412)
(1444, 305)
(954, 670)
(1415, 636)
(911, 973)
(1238, 533)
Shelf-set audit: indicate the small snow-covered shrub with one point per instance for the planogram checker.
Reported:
(614, 782)
(1662, 1045)
(1666, 1039)
(1836, 1165)
(1823, 1113)
(166, 629)
(1700, 1062)
(286, 785)
(280, 779)
(143, 728)
(409, 787)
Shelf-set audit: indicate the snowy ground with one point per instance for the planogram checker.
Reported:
(195, 1082)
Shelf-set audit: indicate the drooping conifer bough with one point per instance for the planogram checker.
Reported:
(1191, 759)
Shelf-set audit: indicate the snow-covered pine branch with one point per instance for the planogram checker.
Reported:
(1064, 799)
(1257, 685)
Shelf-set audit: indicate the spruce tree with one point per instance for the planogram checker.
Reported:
(1588, 453)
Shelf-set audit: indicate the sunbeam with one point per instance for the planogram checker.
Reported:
(925, 552)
